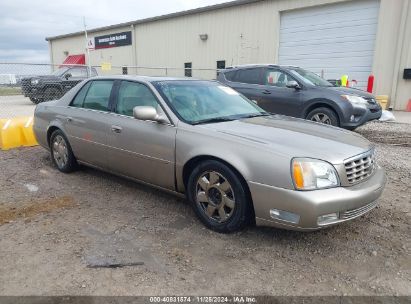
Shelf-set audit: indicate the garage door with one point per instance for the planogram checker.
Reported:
(334, 39)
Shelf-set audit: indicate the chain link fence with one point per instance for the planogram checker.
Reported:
(22, 85)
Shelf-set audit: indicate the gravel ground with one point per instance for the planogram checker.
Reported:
(54, 228)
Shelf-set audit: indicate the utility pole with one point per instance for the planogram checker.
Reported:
(87, 48)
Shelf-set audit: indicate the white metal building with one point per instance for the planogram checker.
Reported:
(329, 37)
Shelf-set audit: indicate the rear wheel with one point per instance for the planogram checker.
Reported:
(218, 197)
(61, 152)
(324, 115)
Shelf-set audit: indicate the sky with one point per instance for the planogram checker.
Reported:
(24, 24)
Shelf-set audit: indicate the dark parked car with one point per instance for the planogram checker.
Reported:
(55, 85)
(296, 92)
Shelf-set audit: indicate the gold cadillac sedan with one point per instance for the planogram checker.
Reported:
(235, 163)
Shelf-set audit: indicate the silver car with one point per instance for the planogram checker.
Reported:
(236, 163)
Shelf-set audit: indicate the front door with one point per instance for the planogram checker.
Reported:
(276, 97)
(144, 150)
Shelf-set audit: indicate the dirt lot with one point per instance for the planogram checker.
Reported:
(53, 227)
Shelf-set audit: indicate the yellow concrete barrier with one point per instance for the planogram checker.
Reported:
(17, 132)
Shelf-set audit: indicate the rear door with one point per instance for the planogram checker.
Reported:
(144, 150)
(86, 122)
(276, 97)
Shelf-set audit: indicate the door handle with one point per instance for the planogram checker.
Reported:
(266, 92)
(116, 129)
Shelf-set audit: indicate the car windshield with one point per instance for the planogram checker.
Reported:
(198, 102)
(310, 77)
(59, 72)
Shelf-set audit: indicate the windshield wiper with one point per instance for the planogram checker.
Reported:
(256, 115)
(213, 120)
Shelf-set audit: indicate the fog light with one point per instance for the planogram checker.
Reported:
(327, 219)
(284, 216)
(352, 118)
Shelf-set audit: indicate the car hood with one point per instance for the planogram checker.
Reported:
(351, 91)
(295, 137)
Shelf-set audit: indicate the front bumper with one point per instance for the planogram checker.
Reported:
(362, 115)
(350, 202)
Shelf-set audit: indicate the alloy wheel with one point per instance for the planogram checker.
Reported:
(60, 151)
(215, 196)
(321, 118)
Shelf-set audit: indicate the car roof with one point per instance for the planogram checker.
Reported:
(147, 78)
(259, 65)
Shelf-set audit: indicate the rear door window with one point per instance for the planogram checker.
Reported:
(79, 99)
(251, 76)
(98, 95)
(230, 75)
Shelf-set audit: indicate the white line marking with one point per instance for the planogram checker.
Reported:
(28, 122)
(7, 124)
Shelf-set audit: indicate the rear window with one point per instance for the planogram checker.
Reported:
(230, 75)
(98, 95)
(251, 76)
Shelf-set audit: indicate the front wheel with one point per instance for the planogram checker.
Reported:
(36, 100)
(219, 197)
(324, 115)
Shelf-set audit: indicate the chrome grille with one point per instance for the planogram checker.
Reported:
(360, 167)
(349, 214)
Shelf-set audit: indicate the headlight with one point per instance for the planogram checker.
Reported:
(355, 99)
(34, 81)
(311, 174)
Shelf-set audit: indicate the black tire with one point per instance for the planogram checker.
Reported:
(329, 115)
(52, 93)
(241, 213)
(70, 164)
(36, 100)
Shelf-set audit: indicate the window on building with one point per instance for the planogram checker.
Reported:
(125, 71)
(220, 64)
(132, 95)
(188, 69)
(98, 95)
(251, 76)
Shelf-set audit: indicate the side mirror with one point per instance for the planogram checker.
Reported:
(148, 113)
(292, 84)
(67, 76)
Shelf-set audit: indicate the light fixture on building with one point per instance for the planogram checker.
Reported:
(203, 37)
